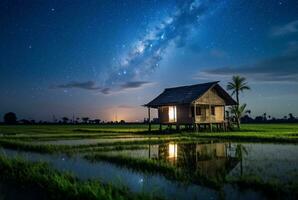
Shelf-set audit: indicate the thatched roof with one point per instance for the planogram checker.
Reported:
(187, 94)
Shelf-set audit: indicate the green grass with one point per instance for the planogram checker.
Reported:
(272, 188)
(257, 132)
(251, 132)
(22, 137)
(71, 129)
(112, 148)
(57, 185)
(70, 149)
(15, 136)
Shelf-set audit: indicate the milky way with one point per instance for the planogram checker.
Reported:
(145, 56)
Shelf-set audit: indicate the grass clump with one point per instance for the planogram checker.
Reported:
(69, 149)
(272, 188)
(112, 148)
(25, 146)
(57, 185)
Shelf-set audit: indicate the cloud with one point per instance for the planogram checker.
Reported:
(126, 106)
(289, 28)
(125, 86)
(134, 84)
(88, 85)
(283, 68)
(146, 54)
(105, 90)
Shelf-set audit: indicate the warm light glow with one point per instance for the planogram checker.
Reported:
(172, 114)
(172, 150)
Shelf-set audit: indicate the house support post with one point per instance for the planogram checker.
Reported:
(160, 127)
(177, 127)
(224, 123)
(194, 116)
(210, 124)
(149, 120)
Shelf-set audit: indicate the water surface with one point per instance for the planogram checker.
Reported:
(135, 181)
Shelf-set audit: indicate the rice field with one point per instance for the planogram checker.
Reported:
(127, 162)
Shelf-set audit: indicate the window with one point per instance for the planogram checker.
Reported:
(212, 110)
(172, 114)
(198, 111)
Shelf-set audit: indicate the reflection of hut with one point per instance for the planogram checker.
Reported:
(211, 160)
(168, 152)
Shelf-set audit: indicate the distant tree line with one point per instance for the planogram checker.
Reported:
(11, 118)
(290, 118)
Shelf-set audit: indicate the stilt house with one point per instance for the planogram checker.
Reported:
(195, 105)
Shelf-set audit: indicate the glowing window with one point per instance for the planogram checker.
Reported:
(172, 114)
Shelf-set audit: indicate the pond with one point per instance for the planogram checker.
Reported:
(221, 159)
(135, 181)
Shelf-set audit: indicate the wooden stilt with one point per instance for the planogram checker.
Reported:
(210, 124)
(149, 120)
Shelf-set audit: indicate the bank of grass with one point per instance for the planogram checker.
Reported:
(249, 132)
(272, 188)
(287, 133)
(112, 148)
(73, 128)
(70, 149)
(58, 185)
(55, 137)
(154, 166)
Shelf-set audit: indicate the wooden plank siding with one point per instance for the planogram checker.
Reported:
(186, 113)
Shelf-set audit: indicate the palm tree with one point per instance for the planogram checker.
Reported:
(237, 85)
(238, 112)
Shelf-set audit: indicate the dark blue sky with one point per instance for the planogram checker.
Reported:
(106, 58)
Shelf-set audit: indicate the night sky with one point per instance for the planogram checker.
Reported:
(104, 59)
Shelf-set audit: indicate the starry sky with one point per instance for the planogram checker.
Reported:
(104, 59)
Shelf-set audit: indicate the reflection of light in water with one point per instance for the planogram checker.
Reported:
(172, 150)
(141, 180)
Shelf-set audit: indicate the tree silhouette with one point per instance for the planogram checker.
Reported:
(10, 118)
(265, 116)
(97, 121)
(237, 85)
(291, 117)
(85, 119)
(65, 120)
(77, 120)
(238, 112)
